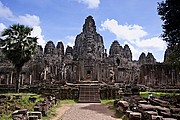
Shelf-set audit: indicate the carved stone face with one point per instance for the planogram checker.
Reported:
(49, 48)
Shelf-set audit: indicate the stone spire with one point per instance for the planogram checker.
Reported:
(89, 26)
(49, 48)
(115, 49)
(142, 58)
(60, 48)
(150, 58)
(89, 44)
(127, 53)
(167, 55)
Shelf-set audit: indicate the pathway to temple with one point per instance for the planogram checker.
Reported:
(88, 111)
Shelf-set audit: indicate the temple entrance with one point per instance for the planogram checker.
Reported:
(88, 75)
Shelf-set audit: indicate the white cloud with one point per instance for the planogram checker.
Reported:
(90, 3)
(27, 19)
(2, 27)
(133, 35)
(125, 32)
(154, 42)
(37, 32)
(69, 40)
(5, 12)
(31, 20)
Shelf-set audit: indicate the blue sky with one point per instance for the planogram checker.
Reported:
(132, 22)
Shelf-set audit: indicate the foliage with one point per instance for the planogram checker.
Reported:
(169, 10)
(157, 94)
(18, 47)
(23, 103)
(107, 101)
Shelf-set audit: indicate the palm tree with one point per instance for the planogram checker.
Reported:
(18, 47)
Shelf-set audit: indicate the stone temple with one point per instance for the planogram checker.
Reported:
(88, 60)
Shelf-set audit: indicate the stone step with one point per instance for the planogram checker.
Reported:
(89, 93)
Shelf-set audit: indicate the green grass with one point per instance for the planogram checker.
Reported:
(23, 103)
(107, 101)
(68, 102)
(157, 94)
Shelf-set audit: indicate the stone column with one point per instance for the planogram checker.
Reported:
(45, 73)
(22, 78)
(7, 79)
(30, 79)
(11, 80)
(98, 72)
(172, 80)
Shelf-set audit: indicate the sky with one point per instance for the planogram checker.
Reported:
(132, 22)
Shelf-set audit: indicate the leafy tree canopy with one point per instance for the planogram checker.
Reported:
(17, 44)
(169, 10)
(18, 47)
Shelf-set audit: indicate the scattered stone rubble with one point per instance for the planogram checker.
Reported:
(137, 108)
(18, 113)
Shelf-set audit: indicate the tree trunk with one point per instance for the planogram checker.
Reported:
(17, 80)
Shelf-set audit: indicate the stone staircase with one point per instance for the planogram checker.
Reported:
(89, 93)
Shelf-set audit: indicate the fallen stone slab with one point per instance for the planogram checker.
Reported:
(33, 118)
(35, 113)
(175, 110)
(135, 116)
(146, 107)
(20, 115)
(169, 119)
(148, 114)
(156, 117)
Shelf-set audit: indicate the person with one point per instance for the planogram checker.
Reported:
(149, 96)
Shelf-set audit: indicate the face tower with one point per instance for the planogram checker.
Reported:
(89, 50)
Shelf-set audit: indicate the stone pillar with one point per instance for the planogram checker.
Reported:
(45, 73)
(172, 79)
(98, 70)
(56, 70)
(11, 80)
(7, 79)
(22, 78)
(30, 79)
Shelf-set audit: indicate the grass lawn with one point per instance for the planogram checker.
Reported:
(157, 94)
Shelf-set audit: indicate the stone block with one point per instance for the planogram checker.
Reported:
(37, 108)
(35, 113)
(123, 106)
(20, 115)
(32, 117)
(135, 116)
(157, 117)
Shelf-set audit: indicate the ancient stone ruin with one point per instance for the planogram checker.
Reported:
(88, 61)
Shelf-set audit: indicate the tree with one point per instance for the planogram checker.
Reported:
(169, 10)
(18, 47)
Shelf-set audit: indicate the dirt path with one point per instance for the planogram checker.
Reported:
(89, 111)
(61, 111)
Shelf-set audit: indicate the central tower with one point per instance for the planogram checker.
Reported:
(89, 51)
